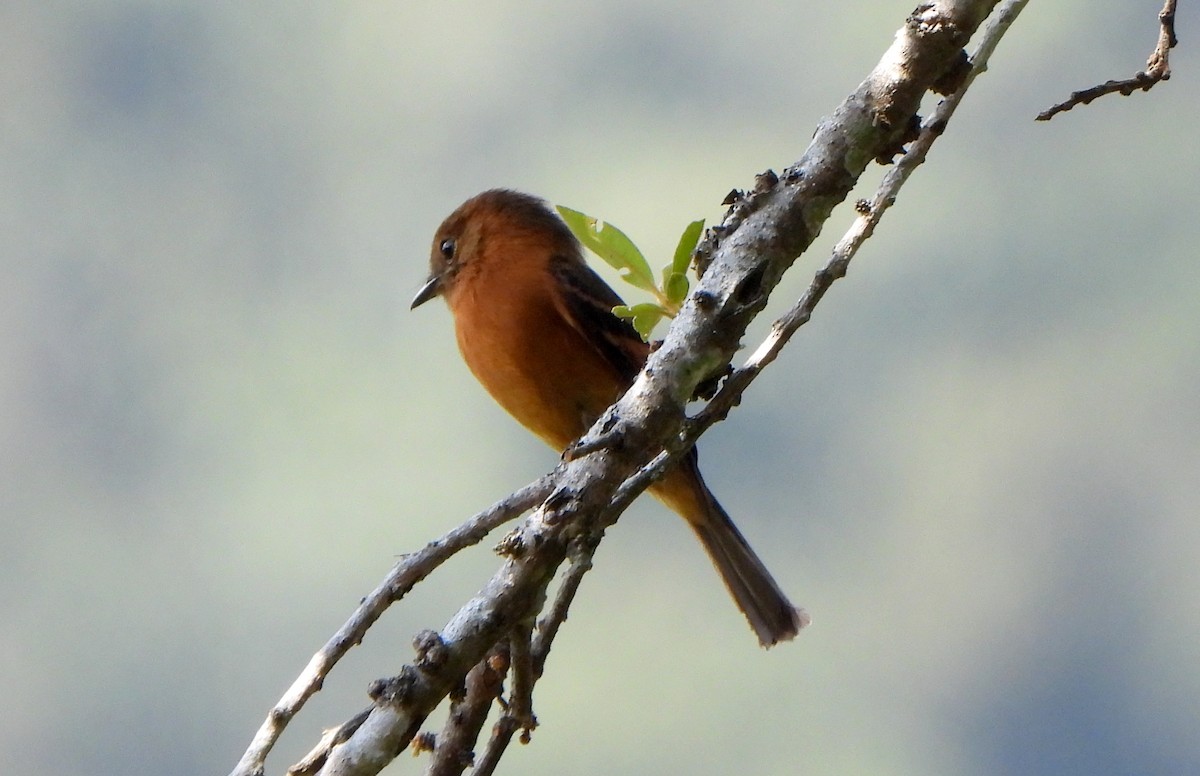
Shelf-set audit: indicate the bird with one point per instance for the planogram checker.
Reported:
(534, 324)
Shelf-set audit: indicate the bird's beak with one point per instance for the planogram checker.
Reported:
(432, 288)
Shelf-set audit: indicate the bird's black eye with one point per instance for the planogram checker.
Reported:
(447, 248)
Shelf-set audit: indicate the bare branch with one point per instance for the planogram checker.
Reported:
(870, 214)
(502, 733)
(580, 556)
(744, 258)
(1158, 68)
(315, 759)
(410, 570)
(513, 595)
(453, 749)
(520, 697)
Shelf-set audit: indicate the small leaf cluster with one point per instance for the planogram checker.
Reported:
(611, 244)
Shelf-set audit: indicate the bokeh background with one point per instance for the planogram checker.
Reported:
(978, 467)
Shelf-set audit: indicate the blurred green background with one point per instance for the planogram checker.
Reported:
(978, 467)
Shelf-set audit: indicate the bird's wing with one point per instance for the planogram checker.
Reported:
(586, 302)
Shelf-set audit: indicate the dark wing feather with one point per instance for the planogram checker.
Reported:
(587, 303)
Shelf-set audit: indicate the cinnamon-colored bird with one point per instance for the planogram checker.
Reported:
(535, 325)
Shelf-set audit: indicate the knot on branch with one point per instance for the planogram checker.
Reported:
(560, 502)
(927, 20)
(954, 77)
(432, 652)
(748, 288)
(424, 742)
(741, 204)
(512, 545)
(396, 690)
(707, 388)
(890, 150)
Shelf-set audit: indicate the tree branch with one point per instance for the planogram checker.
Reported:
(869, 215)
(1158, 68)
(484, 684)
(410, 570)
(742, 260)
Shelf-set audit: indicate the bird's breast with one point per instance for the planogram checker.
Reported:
(535, 364)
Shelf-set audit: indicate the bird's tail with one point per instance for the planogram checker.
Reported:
(755, 591)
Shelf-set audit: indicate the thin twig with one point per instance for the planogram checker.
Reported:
(547, 628)
(518, 712)
(1158, 68)
(502, 733)
(520, 693)
(410, 570)
(452, 752)
(580, 557)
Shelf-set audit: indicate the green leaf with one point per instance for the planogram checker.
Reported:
(644, 316)
(610, 243)
(683, 252)
(675, 289)
(675, 280)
